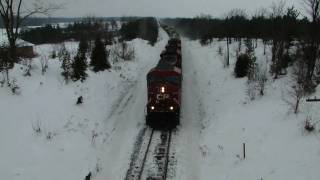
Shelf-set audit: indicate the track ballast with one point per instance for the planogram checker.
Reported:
(150, 159)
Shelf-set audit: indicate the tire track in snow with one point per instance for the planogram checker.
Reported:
(123, 100)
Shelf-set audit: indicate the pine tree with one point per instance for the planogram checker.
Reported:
(249, 47)
(66, 65)
(83, 45)
(108, 39)
(79, 66)
(242, 66)
(246, 62)
(99, 57)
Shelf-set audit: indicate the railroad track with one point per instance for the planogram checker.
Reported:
(151, 157)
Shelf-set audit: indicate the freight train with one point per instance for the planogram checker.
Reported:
(164, 88)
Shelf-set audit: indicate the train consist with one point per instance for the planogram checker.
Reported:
(164, 87)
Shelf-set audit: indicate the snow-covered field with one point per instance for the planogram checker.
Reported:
(99, 135)
(218, 118)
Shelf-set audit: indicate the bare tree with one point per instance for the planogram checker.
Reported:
(3, 64)
(228, 53)
(278, 43)
(237, 12)
(278, 8)
(296, 90)
(27, 62)
(234, 13)
(123, 51)
(251, 90)
(262, 13)
(220, 50)
(312, 49)
(257, 81)
(44, 63)
(13, 13)
(262, 80)
(313, 9)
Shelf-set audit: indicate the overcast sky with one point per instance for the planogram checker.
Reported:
(159, 8)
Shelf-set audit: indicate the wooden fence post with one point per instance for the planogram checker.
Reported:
(244, 150)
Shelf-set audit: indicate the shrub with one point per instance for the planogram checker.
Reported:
(242, 65)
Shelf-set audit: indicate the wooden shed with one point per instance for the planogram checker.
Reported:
(24, 49)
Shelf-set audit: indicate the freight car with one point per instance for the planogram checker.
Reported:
(164, 88)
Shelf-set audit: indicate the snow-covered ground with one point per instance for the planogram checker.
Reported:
(99, 135)
(217, 118)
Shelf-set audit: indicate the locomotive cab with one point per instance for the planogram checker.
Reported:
(164, 94)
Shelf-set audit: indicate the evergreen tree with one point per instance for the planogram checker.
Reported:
(252, 59)
(79, 66)
(109, 39)
(66, 65)
(246, 63)
(83, 46)
(249, 47)
(99, 57)
(242, 66)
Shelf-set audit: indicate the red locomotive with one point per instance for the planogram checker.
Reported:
(164, 88)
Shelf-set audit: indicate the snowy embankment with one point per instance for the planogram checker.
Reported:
(217, 118)
(95, 136)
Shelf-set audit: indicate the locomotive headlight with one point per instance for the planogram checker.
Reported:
(152, 107)
(163, 90)
(171, 108)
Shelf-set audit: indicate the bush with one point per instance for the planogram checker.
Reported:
(242, 65)
(309, 126)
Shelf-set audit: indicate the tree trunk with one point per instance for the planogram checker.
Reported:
(296, 108)
(228, 53)
(7, 76)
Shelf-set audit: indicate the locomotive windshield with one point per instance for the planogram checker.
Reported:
(164, 66)
(161, 79)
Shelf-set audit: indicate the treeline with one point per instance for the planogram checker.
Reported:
(56, 34)
(144, 28)
(239, 25)
(292, 38)
(40, 21)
